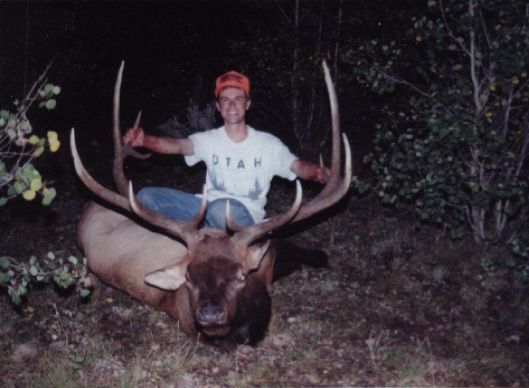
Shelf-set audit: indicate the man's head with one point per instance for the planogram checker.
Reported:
(233, 79)
(233, 97)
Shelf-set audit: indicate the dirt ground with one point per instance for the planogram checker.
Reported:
(395, 307)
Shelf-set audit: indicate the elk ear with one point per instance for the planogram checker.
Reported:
(255, 255)
(168, 278)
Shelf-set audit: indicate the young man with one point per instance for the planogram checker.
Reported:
(241, 162)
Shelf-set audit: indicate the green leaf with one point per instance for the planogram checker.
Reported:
(22, 290)
(4, 277)
(4, 262)
(443, 132)
(15, 296)
(48, 88)
(39, 151)
(51, 104)
(49, 195)
(73, 260)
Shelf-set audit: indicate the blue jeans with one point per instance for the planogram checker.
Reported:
(183, 206)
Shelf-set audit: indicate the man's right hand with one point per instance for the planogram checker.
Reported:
(135, 136)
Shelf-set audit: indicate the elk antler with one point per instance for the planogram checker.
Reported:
(122, 151)
(336, 187)
(185, 231)
(188, 231)
(125, 199)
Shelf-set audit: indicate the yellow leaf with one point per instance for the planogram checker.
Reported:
(36, 184)
(524, 74)
(492, 87)
(515, 80)
(29, 195)
(52, 137)
(488, 114)
(418, 38)
(55, 146)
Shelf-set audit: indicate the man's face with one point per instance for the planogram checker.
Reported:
(232, 105)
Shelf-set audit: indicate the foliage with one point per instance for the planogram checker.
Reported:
(19, 147)
(454, 138)
(284, 61)
(197, 120)
(66, 273)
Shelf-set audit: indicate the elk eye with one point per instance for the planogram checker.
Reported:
(242, 279)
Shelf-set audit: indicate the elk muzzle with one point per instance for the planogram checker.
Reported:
(212, 318)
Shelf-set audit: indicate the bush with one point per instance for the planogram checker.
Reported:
(454, 138)
(19, 147)
(66, 273)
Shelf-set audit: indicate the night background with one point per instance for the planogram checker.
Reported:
(174, 50)
(428, 273)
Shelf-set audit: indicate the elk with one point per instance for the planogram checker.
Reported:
(216, 282)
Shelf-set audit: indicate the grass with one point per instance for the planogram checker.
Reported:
(396, 307)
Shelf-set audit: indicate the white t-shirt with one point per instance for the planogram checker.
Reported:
(242, 171)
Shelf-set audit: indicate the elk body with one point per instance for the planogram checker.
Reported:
(217, 283)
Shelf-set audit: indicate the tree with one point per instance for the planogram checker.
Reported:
(453, 140)
(19, 147)
(285, 61)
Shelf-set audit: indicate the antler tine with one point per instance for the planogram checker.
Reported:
(230, 224)
(121, 151)
(250, 234)
(119, 175)
(193, 222)
(127, 147)
(101, 191)
(125, 199)
(334, 190)
(187, 231)
(337, 186)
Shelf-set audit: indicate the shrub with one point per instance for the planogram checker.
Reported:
(453, 140)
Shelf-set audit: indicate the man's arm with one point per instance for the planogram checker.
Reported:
(309, 171)
(162, 145)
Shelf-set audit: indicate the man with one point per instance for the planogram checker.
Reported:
(241, 162)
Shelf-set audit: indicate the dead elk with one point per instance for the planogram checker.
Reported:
(216, 284)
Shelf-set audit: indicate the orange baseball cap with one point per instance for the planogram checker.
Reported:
(232, 78)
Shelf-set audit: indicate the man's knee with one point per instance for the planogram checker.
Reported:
(146, 196)
(216, 213)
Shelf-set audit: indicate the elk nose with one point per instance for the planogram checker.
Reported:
(210, 313)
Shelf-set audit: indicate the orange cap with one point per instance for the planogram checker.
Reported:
(234, 79)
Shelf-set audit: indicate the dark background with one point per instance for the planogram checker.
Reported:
(173, 52)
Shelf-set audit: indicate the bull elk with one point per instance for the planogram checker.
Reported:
(216, 282)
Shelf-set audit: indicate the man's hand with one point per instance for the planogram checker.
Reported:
(135, 136)
(322, 174)
(310, 171)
